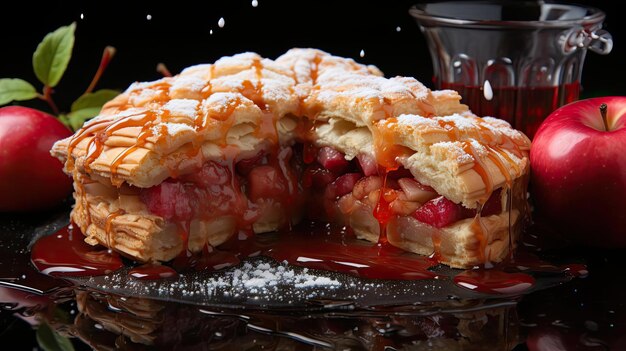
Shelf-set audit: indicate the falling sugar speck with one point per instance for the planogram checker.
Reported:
(82, 16)
(487, 91)
(148, 17)
(211, 32)
(362, 53)
(255, 3)
(398, 29)
(221, 22)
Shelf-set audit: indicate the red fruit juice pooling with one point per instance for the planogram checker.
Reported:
(310, 245)
(65, 253)
(524, 108)
(494, 281)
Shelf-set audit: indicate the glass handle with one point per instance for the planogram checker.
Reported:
(601, 42)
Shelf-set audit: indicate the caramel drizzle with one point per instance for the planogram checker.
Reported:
(83, 200)
(386, 152)
(477, 225)
(386, 155)
(100, 138)
(450, 128)
(142, 138)
(315, 70)
(492, 155)
(108, 227)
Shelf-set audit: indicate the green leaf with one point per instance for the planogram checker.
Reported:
(88, 106)
(78, 117)
(96, 99)
(49, 340)
(53, 55)
(14, 89)
(63, 119)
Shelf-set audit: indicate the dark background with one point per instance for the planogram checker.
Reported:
(178, 35)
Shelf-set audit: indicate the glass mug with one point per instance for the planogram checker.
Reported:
(515, 60)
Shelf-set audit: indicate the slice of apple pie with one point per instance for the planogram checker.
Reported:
(249, 144)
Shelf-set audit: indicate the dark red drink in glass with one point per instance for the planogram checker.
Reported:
(515, 60)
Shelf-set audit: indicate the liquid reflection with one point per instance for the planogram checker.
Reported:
(104, 322)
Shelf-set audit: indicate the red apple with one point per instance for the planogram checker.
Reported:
(30, 179)
(578, 167)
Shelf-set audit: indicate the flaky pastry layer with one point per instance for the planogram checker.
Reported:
(232, 109)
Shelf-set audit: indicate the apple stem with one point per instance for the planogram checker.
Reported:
(162, 68)
(603, 108)
(107, 55)
(47, 97)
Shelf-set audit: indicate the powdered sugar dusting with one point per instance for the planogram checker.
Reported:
(480, 149)
(171, 128)
(222, 99)
(463, 123)
(243, 59)
(454, 148)
(264, 276)
(182, 107)
(188, 82)
(415, 120)
(501, 127)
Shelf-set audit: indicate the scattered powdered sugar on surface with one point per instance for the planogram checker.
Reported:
(188, 82)
(502, 127)
(144, 96)
(172, 128)
(416, 120)
(264, 282)
(182, 107)
(222, 99)
(263, 276)
(496, 123)
(464, 123)
(243, 59)
(144, 85)
(480, 149)
(454, 148)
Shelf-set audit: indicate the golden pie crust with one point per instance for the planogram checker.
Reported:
(229, 110)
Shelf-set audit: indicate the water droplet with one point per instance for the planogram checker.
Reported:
(82, 16)
(487, 91)
(148, 17)
(362, 53)
(255, 3)
(221, 22)
(398, 29)
(211, 32)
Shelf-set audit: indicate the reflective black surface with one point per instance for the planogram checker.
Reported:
(582, 314)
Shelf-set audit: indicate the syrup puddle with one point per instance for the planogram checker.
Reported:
(312, 246)
(65, 253)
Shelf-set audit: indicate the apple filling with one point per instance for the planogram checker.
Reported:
(266, 193)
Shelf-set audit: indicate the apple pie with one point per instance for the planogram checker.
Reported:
(248, 144)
